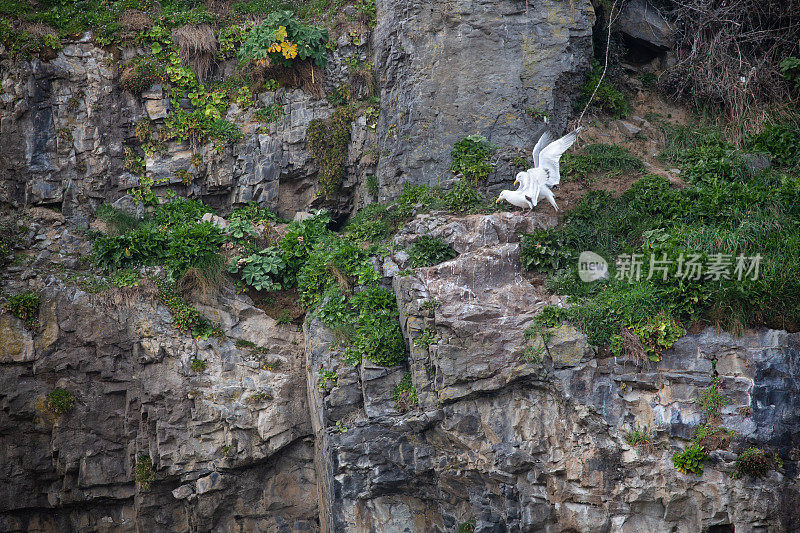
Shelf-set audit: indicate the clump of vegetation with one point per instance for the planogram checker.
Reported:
(756, 463)
(690, 460)
(426, 338)
(140, 74)
(639, 437)
(60, 401)
(260, 270)
(405, 394)
(328, 141)
(712, 400)
(429, 251)
(25, 306)
(596, 159)
(171, 236)
(545, 251)
(281, 38)
(326, 378)
(781, 141)
(143, 472)
(198, 365)
(608, 98)
(185, 317)
(471, 158)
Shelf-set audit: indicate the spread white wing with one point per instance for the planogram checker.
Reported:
(536, 180)
(551, 154)
(543, 141)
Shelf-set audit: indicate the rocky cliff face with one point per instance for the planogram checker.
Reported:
(277, 433)
(452, 69)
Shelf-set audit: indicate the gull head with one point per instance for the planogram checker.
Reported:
(501, 197)
(519, 177)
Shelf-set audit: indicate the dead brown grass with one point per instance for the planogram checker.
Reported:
(39, 29)
(302, 74)
(633, 348)
(198, 48)
(220, 8)
(134, 20)
(728, 52)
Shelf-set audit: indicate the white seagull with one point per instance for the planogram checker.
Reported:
(535, 183)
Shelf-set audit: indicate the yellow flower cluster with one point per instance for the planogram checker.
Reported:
(287, 48)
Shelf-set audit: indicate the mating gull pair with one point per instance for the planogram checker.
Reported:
(535, 183)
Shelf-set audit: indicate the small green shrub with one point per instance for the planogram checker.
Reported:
(429, 251)
(712, 400)
(781, 142)
(462, 197)
(405, 394)
(143, 472)
(60, 401)
(25, 306)
(253, 213)
(607, 98)
(431, 304)
(426, 338)
(690, 460)
(658, 333)
(755, 463)
(328, 141)
(270, 113)
(607, 159)
(198, 365)
(471, 159)
(545, 251)
(467, 527)
(141, 73)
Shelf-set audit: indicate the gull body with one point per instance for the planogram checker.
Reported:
(535, 183)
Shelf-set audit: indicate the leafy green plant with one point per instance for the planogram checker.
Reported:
(658, 333)
(690, 460)
(545, 251)
(260, 270)
(198, 365)
(790, 68)
(429, 251)
(241, 229)
(431, 304)
(405, 394)
(281, 38)
(328, 141)
(781, 142)
(462, 197)
(25, 306)
(426, 338)
(143, 472)
(471, 159)
(467, 527)
(60, 401)
(327, 377)
(252, 212)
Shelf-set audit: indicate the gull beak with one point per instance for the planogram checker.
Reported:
(497, 201)
(516, 181)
